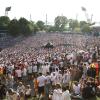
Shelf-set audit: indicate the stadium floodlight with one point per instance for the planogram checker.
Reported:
(83, 8)
(6, 10)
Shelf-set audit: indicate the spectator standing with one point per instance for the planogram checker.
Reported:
(41, 79)
(66, 94)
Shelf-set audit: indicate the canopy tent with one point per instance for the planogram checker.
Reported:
(48, 45)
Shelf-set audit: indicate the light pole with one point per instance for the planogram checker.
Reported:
(6, 10)
(86, 14)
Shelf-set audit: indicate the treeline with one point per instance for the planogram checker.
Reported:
(20, 27)
(61, 24)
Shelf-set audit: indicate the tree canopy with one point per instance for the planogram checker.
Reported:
(40, 25)
(60, 23)
(13, 27)
(4, 21)
(73, 24)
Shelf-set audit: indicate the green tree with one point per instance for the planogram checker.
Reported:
(40, 25)
(24, 27)
(4, 21)
(13, 27)
(82, 23)
(50, 28)
(73, 24)
(60, 23)
(85, 27)
(36, 28)
(31, 26)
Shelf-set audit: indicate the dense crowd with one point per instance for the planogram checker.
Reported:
(70, 70)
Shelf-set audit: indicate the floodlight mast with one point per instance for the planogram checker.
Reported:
(89, 20)
(7, 10)
(46, 19)
(6, 13)
(46, 22)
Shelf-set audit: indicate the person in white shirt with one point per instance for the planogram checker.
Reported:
(34, 68)
(61, 64)
(47, 67)
(44, 69)
(66, 94)
(59, 78)
(66, 76)
(53, 78)
(29, 69)
(41, 83)
(24, 74)
(76, 88)
(28, 92)
(19, 73)
(48, 78)
(21, 88)
(12, 95)
(57, 93)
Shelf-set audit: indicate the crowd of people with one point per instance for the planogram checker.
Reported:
(68, 71)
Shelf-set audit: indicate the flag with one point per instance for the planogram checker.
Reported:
(8, 9)
(83, 8)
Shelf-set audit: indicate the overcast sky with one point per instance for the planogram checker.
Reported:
(39, 8)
